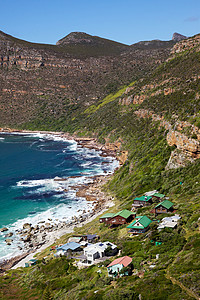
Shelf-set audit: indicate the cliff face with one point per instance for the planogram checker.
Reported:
(170, 96)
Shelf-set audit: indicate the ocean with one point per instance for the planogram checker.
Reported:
(30, 189)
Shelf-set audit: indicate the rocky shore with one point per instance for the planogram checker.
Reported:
(45, 233)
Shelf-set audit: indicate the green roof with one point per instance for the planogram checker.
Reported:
(143, 198)
(166, 203)
(159, 195)
(108, 215)
(143, 220)
(125, 213)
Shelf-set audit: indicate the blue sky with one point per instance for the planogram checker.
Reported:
(125, 21)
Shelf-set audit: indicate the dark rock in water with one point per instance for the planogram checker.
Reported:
(3, 229)
(8, 241)
(32, 212)
(9, 234)
(27, 226)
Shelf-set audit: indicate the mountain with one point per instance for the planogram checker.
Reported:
(41, 78)
(82, 38)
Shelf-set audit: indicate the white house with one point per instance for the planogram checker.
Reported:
(95, 251)
(170, 222)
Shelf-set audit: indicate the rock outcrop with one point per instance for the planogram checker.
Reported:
(183, 143)
(188, 149)
(177, 37)
(192, 43)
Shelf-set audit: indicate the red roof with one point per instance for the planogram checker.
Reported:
(125, 261)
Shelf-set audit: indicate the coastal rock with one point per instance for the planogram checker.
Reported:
(27, 238)
(3, 229)
(27, 226)
(9, 234)
(8, 241)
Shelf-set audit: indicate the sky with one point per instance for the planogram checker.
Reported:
(125, 21)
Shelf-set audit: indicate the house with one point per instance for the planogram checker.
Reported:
(118, 264)
(139, 225)
(142, 201)
(105, 218)
(122, 217)
(90, 238)
(30, 263)
(163, 207)
(71, 246)
(169, 222)
(98, 250)
(158, 196)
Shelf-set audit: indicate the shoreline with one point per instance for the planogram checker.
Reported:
(91, 192)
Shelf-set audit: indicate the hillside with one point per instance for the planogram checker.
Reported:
(156, 118)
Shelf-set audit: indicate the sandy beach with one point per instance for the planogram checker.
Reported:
(46, 234)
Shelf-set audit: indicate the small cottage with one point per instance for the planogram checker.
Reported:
(163, 207)
(142, 201)
(158, 196)
(66, 248)
(139, 225)
(90, 238)
(115, 268)
(122, 217)
(105, 218)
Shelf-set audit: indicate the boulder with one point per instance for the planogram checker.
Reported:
(9, 234)
(27, 226)
(3, 229)
(8, 241)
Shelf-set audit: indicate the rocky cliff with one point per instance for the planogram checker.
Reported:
(77, 72)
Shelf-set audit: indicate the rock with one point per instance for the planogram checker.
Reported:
(3, 229)
(27, 226)
(182, 142)
(178, 159)
(177, 37)
(27, 238)
(9, 234)
(9, 241)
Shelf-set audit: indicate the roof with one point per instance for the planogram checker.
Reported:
(75, 239)
(69, 246)
(100, 246)
(143, 220)
(169, 222)
(108, 215)
(151, 193)
(125, 213)
(159, 195)
(143, 198)
(125, 261)
(91, 236)
(166, 203)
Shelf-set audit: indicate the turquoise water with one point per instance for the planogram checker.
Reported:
(28, 191)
